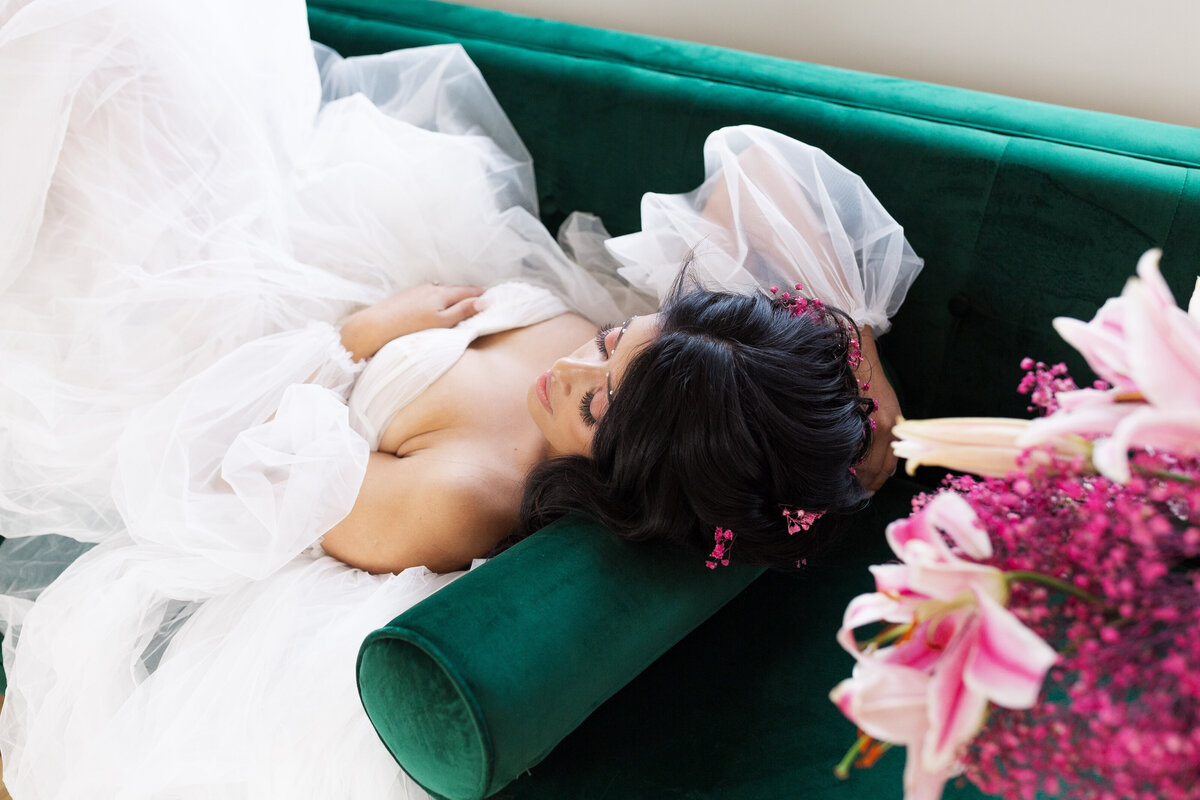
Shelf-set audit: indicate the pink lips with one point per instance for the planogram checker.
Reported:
(543, 390)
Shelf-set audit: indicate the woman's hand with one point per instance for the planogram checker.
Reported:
(414, 309)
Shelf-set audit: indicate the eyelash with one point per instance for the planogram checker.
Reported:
(585, 403)
(601, 335)
(585, 409)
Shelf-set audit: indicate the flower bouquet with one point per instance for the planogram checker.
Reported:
(1041, 631)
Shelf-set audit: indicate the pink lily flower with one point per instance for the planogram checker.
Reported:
(1149, 350)
(959, 648)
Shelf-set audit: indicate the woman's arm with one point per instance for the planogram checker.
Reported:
(408, 311)
(439, 511)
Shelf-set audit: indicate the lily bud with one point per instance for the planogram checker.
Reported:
(980, 445)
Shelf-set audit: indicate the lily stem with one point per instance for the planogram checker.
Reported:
(1051, 583)
(1165, 475)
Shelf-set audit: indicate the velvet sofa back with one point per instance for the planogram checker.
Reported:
(1022, 211)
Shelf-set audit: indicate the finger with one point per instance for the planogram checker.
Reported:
(455, 294)
(456, 313)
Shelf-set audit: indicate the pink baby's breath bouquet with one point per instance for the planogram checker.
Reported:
(1041, 631)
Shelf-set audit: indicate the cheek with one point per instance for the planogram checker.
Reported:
(571, 437)
(577, 440)
(566, 436)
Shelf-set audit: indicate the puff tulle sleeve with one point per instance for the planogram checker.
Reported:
(773, 211)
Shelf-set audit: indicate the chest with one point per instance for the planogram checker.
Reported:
(480, 402)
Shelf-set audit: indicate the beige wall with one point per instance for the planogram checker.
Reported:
(1135, 57)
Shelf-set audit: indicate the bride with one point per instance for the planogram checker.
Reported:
(256, 399)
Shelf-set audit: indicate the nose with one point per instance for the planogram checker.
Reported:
(577, 373)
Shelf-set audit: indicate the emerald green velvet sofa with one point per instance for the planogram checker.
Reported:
(576, 666)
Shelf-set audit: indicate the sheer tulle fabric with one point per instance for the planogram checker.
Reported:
(187, 213)
(191, 204)
(772, 211)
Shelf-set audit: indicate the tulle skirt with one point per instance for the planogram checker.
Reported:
(192, 201)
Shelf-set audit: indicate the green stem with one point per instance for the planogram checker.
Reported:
(1052, 583)
(1165, 475)
(842, 770)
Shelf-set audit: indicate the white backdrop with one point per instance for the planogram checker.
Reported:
(1135, 57)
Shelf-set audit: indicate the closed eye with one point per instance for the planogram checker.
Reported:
(585, 409)
(601, 336)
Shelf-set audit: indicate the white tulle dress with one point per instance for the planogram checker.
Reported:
(191, 204)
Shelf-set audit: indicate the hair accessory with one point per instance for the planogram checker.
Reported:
(722, 541)
(800, 520)
(800, 304)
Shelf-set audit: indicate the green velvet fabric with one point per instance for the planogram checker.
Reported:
(470, 691)
(1023, 211)
(738, 710)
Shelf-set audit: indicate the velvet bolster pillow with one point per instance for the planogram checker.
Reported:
(479, 682)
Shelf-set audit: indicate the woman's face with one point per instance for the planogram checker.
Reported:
(568, 399)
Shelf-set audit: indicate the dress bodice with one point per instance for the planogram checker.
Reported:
(407, 366)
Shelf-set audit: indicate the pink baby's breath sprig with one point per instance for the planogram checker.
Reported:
(1043, 383)
(854, 356)
(800, 520)
(798, 304)
(722, 542)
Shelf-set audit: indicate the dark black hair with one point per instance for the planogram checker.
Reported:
(736, 410)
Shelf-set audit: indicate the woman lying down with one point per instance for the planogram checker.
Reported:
(283, 357)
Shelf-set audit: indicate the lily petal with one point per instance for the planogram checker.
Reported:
(1102, 341)
(1007, 662)
(890, 578)
(887, 702)
(955, 709)
(948, 580)
(874, 607)
(954, 515)
(918, 536)
(921, 783)
(1151, 279)
(1082, 398)
(1163, 345)
(1174, 430)
(924, 647)
(1097, 419)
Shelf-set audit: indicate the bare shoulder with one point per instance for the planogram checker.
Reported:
(430, 509)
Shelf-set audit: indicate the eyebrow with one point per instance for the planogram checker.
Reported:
(621, 335)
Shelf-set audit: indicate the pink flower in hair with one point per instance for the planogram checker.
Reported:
(722, 541)
(800, 520)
